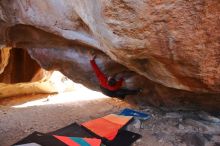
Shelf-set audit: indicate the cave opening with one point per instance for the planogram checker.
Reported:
(40, 100)
(37, 85)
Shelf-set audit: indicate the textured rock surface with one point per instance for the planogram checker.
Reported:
(20, 68)
(74, 63)
(19, 74)
(173, 43)
(5, 55)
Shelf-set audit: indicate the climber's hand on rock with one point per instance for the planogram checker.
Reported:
(92, 54)
(93, 57)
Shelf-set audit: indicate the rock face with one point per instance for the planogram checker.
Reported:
(20, 74)
(167, 44)
(20, 68)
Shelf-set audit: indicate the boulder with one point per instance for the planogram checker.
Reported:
(172, 47)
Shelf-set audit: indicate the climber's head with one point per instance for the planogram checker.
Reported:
(111, 81)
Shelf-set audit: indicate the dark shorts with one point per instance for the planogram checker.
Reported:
(120, 93)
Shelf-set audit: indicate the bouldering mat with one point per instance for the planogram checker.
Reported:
(108, 126)
(41, 139)
(72, 130)
(135, 114)
(77, 141)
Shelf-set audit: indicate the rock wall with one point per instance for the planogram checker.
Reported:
(74, 63)
(5, 55)
(170, 44)
(20, 68)
(20, 74)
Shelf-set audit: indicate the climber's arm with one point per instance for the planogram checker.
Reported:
(101, 77)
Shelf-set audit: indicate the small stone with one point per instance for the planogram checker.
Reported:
(173, 115)
(181, 127)
(137, 124)
(207, 117)
(138, 141)
(160, 141)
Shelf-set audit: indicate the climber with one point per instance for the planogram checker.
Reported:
(109, 85)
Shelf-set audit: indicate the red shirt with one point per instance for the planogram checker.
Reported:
(103, 81)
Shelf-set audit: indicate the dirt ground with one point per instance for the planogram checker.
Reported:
(19, 118)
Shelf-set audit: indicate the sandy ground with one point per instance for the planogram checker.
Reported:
(19, 118)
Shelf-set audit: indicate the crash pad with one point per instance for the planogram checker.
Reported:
(77, 141)
(72, 130)
(41, 139)
(107, 126)
(135, 114)
(29, 144)
(123, 138)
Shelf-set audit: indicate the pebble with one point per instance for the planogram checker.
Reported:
(160, 141)
(173, 115)
(181, 127)
(137, 124)
(207, 117)
(134, 124)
